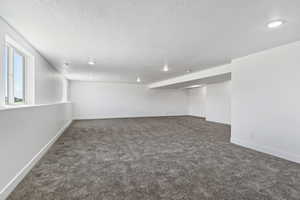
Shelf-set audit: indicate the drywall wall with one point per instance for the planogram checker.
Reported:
(26, 133)
(112, 100)
(203, 74)
(212, 101)
(218, 102)
(265, 101)
(197, 101)
(48, 82)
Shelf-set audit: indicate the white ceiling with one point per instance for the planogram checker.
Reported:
(130, 38)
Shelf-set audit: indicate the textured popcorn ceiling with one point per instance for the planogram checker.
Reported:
(130, 38)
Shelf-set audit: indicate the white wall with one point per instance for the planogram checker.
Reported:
(212, 101)
(24, 132)
(265, 101)
(203, 74)
(48, 82)
(197, 101)
(218, 102)
(113, 100)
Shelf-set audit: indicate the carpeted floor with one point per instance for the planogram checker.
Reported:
(178, 158)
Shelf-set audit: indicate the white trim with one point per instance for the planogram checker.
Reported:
(24, 106)
(29, 62)
(268, 150)
(92, 117)
(9, 74)
(218, 122)
(12, 42)
(4, 193)
(198, 116)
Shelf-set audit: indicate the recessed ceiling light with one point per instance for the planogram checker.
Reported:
(166, 68)
(91, 62)
(138, 79)
(188, 71)
(275, 23)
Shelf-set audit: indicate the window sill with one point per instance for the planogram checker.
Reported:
(14, 107)
(9, 107)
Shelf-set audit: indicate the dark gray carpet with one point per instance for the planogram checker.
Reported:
(156, 158)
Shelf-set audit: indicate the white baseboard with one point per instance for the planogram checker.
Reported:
(124, 117)
(223, 123)
(4, 193)
(268, 150)
(198, 116)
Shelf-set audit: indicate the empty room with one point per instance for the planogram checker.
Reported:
(149, 100)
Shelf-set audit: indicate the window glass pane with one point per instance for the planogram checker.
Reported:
(18, 78)
(5, 73)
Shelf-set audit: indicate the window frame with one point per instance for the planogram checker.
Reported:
(13, 47)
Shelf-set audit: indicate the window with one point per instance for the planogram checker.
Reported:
(17, 79)
(5, 72)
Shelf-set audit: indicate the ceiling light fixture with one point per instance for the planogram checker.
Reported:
(275, 23)
(138, 79)
(188, 71)
(91, 62)
(166, 68)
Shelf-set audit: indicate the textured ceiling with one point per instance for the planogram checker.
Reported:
(130, 38)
